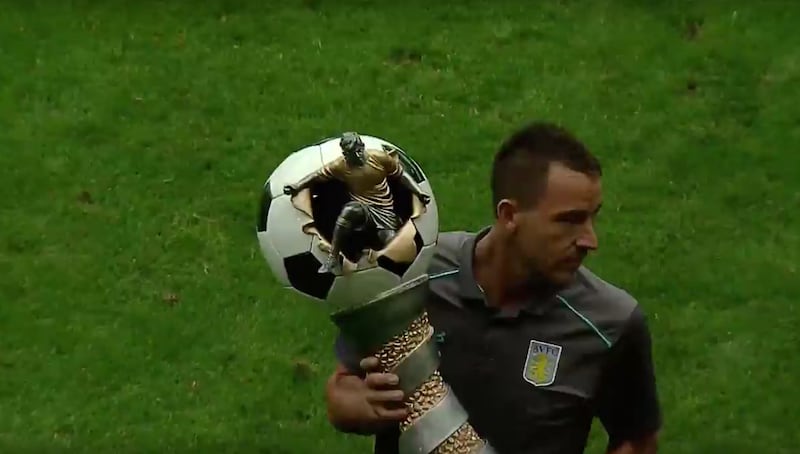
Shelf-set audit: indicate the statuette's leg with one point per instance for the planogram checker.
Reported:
(349, 233)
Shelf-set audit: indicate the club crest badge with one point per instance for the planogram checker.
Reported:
(541, 364)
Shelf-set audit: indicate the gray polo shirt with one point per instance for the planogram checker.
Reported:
(532, 380)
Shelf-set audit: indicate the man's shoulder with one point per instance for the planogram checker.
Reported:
(387, 152)
(447, 252)
(371, 153)
(607, 306)
(335, 164)
(381, 156)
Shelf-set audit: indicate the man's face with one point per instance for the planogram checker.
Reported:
(553, 237)
(354, 157)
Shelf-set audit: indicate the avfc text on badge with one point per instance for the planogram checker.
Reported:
(541, 363)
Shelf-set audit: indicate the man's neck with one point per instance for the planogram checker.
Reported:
(504, 282)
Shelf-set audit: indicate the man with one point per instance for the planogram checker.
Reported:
(371, 209)
(533, 344)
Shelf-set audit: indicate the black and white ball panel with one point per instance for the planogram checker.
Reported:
(317, 251)
(296, 166)
(265, 199)
(421, 264)
(428, 224)
(400, 269)
(273, 258)
(330, 150)
(304, 276)
(285, 226)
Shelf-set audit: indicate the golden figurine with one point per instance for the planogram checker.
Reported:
(370, 214)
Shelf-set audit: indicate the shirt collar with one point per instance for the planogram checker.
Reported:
(467, 284)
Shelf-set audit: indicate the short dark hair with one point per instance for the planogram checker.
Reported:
(521, 165)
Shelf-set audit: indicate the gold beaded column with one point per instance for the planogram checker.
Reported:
(436, 422)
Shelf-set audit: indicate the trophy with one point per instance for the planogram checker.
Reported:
(351, 222)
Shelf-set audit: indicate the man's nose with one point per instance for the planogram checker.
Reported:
(588, 239)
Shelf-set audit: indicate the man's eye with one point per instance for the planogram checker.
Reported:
(575, 218)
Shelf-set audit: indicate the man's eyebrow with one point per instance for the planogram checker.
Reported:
(577, 212)
(570, 213)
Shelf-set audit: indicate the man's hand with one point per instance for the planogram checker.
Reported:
(366, 405)
(646, 445)
(384, 397)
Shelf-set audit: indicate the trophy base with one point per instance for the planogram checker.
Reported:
(394, 327)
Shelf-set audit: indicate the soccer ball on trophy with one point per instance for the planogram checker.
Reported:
(352, 222)
(295, 232)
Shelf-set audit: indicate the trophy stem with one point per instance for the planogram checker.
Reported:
(394, 327)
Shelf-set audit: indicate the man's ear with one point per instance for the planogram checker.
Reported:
(507, 211)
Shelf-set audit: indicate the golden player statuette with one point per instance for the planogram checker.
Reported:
(352, 222)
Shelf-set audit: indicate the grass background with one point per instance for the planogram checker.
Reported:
(136, 314)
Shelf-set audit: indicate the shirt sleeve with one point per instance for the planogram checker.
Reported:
(390, 162)
(628, 404)
(334, 169)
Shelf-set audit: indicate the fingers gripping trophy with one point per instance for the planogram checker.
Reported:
(352, 222)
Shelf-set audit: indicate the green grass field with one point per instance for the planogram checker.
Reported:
(137, 315)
